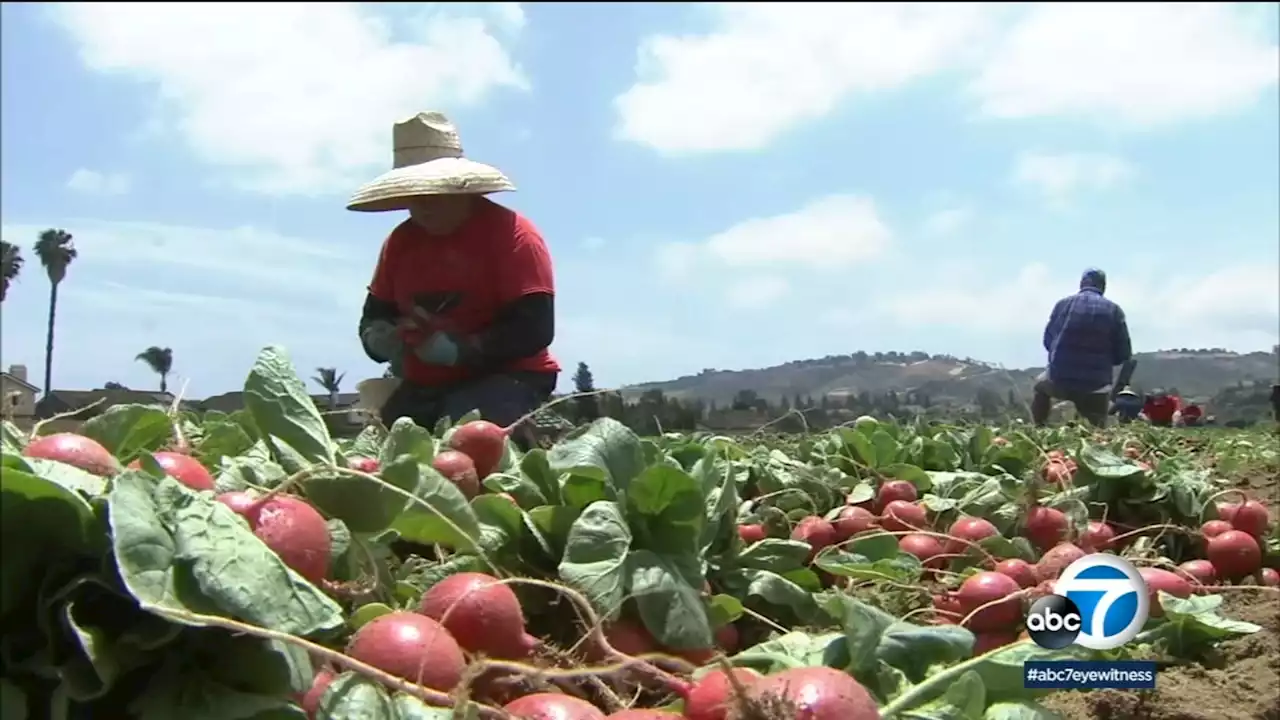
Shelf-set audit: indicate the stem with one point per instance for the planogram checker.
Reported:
(1244, 498)
(1161, 526)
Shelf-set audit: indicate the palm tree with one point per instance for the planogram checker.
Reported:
(10, 265)
(331, 380)
(161, 362)
(56, 251)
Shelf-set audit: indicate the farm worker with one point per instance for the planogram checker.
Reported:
(1191, 415)
(1275, 402)
(1086, 337)
(1160, 407)
(1127, 405)
(461, 304)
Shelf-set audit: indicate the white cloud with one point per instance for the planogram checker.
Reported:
(1059, 176)
(1233, 306)
(1139, 63)
(295, 97)
(756, 292)
(766, 67)
(949, 221)
(92, 182)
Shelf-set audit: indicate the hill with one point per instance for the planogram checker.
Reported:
(947, 379)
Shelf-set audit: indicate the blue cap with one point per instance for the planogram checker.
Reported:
(1094, 278)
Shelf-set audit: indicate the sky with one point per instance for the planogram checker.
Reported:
(721, 185)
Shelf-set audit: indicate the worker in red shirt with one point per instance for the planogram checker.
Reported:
(461, 305)
(1160, 408)
(1192, 415)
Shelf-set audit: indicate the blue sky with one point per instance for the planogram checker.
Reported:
(721, 186)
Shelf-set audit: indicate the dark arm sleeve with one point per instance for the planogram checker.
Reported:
(1121, 345)
(1054, 326)
(523, 327)
(374, 311)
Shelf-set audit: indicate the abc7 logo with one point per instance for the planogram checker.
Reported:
(1054, 622)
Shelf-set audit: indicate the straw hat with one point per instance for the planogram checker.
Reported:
(1127, 391)
(428, 161)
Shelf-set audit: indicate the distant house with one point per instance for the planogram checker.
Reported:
(346, 418)
(18, 395)
(60, 402)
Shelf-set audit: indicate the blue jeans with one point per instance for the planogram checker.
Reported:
(501, 399)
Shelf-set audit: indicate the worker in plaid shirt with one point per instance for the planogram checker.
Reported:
(1086, 337)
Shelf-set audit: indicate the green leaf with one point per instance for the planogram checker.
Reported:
(352, 697)
(668, 592)
(605, 445)
(442, 516)
(248, 471)
(963, 699)
(128, 430)
(1019, 710)
(537, 470)
(910, 473)
(774, 555)
(365, 613)
(664, 509)
(278, 401)
(772, 588)
(180, 550)
(177, 691)
(595, 556)
(1192, 624)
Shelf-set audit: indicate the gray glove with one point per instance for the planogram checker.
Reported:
(381, 338)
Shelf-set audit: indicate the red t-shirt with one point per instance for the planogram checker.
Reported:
(495, 257)
(1161, 410)
(1191, 412)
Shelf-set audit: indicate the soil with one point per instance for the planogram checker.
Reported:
(1242, 681)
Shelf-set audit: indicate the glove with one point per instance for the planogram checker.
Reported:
(438, 349)
(382, 339)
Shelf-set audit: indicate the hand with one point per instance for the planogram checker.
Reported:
(382, 338)
(438, 349)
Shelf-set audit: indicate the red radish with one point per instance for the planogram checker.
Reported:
(1235, 554)
(1055, 455)
(895, 490)
(972, 529)
(985, 587)
(853, 520)
(711, 696)
(1214, 528)
(363, 464)
(900, 515)
(817, 532)
(310, 702)
(627, 638)
(1022, 572)
(183, 468)
(290, 527)
(1133, 453)
(483, 442)
(925, 548)
(484, 616)
(1227, 511)
(985, 642)
(751, 533)
(1268, 577)
(640, 714)
(818, 693)
(1046, 526)
(728, 638)
(1251, 517)
(949, 608)
(76, 450)
(1098, 537)
(1056, 560)
(1056, 472)
(1157, 580)
(1202, 571)
(410, 646)
(460, 471)
(552, 706)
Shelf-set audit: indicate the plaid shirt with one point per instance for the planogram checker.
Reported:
(1086, 337)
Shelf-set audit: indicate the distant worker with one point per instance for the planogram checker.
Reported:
(1192, 415)
(1160, 408)
(1127, 406)
(461, 303)
(1275, 402)
(1086, 338)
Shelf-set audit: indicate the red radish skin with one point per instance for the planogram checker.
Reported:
(410, 646)
(460, 470)
(364, 464)
(1157, 580)
(635, 714)
(1046, 526)
(183, 468)
(1251, 517)
(972, 529)
(949, 605)
(1056, 472)
(926, 549)
(485, 618)
(290, 527)
(1022, 572)
(1268, 578)
(893, 490)
(1056, 560)
(819, 693)
(852, 520)
(815, 531)
(1227, 512)
(553, 706)
(627, 638)
(1202, 571)
(901, 516)
(1098, 537)
(310, 702)
(726, 639)
(483, 442)
(76, 450)
(985, 587)
(751, 533)
(984, 643)
(1235, 554)
(1214, 528)
(711, 696)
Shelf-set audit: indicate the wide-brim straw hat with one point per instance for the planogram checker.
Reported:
(428, 160)
(1127, 391)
